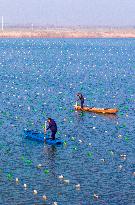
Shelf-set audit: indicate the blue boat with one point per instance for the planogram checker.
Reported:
(39, 136)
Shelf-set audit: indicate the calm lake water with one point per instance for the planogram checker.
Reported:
(39, 78)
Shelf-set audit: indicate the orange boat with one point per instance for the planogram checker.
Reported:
(97, 110)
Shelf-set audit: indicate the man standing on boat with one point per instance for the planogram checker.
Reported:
(81, 98)
(52, 126)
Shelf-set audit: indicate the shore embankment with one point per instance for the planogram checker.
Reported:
(68, 33)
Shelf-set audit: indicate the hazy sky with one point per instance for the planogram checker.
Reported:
(69, 12)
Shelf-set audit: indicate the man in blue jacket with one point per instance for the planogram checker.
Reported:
(52, 126)
(81, 98)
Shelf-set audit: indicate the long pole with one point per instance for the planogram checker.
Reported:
(45, 124)
(2, 23)
(45, 130)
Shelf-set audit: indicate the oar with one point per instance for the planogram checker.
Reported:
(45, 125)
(45, 129)
(76, 104)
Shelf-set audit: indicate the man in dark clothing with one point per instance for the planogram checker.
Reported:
(81, 98)
(53, 127)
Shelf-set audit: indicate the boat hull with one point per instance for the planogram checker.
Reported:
(41, 137)
(97, 110)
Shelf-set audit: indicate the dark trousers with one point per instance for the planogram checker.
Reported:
(82, 102)
(53, 135)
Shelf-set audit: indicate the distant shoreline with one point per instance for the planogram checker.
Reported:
(68, 33)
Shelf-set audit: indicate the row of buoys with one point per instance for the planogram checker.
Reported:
(35, 192)
(77, 186)
(67, 181)
(44, 197)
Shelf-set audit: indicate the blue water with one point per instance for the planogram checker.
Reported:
(39, 78)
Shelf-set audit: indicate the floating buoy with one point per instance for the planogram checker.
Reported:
(35, 192)
(28, 108)
(134, 174)
(72, 138)
(17, 180)
(61, 177)
(111, 152)
(119, 136)
(25, 186)
(10, 177)
(39, 166)
(66, 181)
(126, 138)
(65, 143)
(74, 148)
(55, 203)
(44, 197)
(123, 156)
(77, 186)
(80, 141)
(46, 171)
(89, 154)
(27, 161)
(96, 196)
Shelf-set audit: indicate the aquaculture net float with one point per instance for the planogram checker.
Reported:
(97, 110)
(39, 136)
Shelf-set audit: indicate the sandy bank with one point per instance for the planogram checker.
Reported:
(68, 33)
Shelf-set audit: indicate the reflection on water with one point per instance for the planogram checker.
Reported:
(51, 152)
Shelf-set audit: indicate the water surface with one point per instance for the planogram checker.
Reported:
(38, 79)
